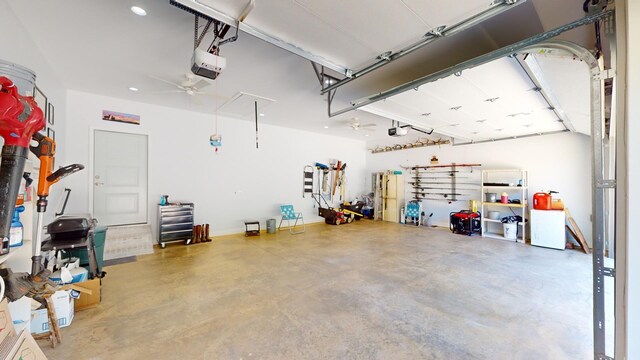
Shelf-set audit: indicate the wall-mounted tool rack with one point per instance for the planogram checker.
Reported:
(454, 182)
(411, 145)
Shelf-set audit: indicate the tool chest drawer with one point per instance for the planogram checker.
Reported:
(169, 220)
(172, 210)
(167, 228)
(175, 223)
(176, 236)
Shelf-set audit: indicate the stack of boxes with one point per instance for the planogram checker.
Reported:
(16, 346)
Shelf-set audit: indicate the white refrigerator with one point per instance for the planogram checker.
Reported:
(548, 228)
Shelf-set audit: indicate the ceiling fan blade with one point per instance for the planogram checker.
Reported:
(200, 85)
(167, 91)
(350, 121)
(167, 81)
(368, 125)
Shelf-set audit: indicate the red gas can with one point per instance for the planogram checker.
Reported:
(542, 201)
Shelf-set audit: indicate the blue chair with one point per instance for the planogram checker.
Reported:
(288, 213)
(413, 212)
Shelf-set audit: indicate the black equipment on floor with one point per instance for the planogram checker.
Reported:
(252, 228)
(465, 222)
(74, 232)
(356, 208)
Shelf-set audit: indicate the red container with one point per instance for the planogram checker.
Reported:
(542, 201)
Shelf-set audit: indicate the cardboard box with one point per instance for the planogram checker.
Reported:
(6, 324)
(26, 348)
(90, 294)
(63, 304)
(21, 313)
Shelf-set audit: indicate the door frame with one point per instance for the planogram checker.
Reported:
(92, 134)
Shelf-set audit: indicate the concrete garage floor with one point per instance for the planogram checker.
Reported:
(368, 290)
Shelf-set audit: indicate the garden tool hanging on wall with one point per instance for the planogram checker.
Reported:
(343, 182)
(336, 176)
(324, 187)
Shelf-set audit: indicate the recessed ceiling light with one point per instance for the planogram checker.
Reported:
(326, 127)
(138, 11)
(133, 88)
(366, 135)
(261, 114)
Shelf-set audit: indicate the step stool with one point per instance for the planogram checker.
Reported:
(252, 228)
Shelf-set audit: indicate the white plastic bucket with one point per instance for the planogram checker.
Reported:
(510, 231)
(22, 77)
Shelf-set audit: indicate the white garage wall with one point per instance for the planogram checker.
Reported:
(241, 182)
(18, 47)
(560, 162)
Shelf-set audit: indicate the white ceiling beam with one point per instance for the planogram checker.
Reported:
(474, 142)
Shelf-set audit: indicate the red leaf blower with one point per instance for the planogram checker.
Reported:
(20, 118)
(20, 121)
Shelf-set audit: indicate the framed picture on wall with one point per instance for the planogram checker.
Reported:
(41, 100)
(50, 114)
(120, 117)
(51, 133)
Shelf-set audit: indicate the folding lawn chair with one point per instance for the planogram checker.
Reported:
(413, 212)
(288, 213)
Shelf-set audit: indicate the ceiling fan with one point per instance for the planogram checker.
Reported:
(189, 85)
(356, 125)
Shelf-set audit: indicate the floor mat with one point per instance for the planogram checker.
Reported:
(127, 241)
(124, 260)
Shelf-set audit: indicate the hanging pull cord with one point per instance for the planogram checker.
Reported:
(256, 114)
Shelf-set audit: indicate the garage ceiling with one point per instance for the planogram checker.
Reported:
(349, 33)
(493, 101)
(75, 35)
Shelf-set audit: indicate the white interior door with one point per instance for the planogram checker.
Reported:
(120, 178)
